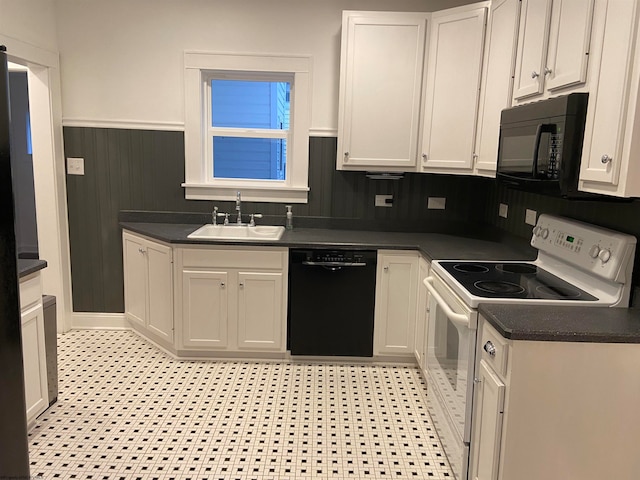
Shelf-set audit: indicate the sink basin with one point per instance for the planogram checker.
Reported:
(237, 232)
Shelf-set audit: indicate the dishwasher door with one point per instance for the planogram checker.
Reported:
(331, 302)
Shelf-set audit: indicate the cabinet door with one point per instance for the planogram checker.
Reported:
(395, 314)
(204, 309)
(569, 40)
(135, 279)
(535, 20)
(34, 362)
(497, 81)
(421, 315)
(260, 310)
(487, 424)
(160, 291)
(608, 101)
(380, 88)
(453, 83)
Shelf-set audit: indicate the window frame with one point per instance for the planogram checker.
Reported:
(199, 182)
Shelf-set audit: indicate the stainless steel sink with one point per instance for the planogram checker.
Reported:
(237, 232)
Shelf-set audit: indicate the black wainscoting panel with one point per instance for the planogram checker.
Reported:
(143, 170)
(623, 216)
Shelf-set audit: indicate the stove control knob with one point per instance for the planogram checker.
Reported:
(545, 233)
(594, 251)
(604, 255)
(536, 231)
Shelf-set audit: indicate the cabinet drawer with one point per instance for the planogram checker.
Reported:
(30, 291)
(235, 258)
(493, 342)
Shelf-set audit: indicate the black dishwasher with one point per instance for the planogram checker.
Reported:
(331, 302)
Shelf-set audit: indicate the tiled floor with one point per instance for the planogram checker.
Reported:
(128, 411)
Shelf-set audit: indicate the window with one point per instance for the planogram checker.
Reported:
(246, 127)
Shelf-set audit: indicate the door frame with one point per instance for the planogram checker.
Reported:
(45, 105)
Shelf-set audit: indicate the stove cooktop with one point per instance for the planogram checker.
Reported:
(512, 280)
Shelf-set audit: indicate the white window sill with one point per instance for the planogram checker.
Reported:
(250, 194)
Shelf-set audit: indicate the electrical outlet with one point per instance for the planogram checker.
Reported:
(530, 217)
(384, 201)
(503, 210)
(436, 203)
(75, 166)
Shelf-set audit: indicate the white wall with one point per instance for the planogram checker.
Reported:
(122, 60)
(30, 21)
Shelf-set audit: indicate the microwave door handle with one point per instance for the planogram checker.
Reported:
(518, 180)
(459, 318)
(542, 128)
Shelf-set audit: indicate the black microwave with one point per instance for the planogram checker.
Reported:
(540, 145)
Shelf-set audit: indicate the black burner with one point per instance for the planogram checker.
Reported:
(516, 268)
(503, 288)
(546, 291)
(470, 268)
(512, 280)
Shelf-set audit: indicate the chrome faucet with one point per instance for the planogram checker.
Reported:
(238, 208)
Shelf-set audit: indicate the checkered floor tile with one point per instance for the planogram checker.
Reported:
(128, 411)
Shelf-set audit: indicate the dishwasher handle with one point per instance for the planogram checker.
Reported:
(459, 318)
(334, 264)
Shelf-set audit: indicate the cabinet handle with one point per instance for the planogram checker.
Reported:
(547, 70)
(534, 74)
(222, 285)
(477, 380)
(606, 159)
(386, 269)
(346, 156)
(142, 251)
(425, 157)
(241, 284)
(490, 348)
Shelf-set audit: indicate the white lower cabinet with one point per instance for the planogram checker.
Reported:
(148, 286)
(232, 299)
(546, 409)
(396, 299)
(204, 309)
(34, 358)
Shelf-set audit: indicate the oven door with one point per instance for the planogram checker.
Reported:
(451, 346)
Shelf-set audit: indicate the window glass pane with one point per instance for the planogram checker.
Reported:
(251, 158)
(249, 104)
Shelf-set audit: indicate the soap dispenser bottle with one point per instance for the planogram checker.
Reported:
(289, 223)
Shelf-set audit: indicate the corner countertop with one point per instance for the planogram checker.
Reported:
(432, 245)
(28, 266)
(564, 323)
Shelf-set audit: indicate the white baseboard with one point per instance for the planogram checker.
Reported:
(99, 321)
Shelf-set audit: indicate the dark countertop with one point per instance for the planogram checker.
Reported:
(564, 323)
(432, 245)
(28, 266)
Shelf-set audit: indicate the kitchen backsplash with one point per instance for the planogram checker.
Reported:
(141, 170)
(623, 216)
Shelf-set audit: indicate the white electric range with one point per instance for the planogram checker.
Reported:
(577, 264)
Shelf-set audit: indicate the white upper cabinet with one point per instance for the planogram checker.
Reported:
(611, 151)
(553, 47)
(454, 65)
(497, 81)
(380, 87)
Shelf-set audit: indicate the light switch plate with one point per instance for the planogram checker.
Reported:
(530, 217)
(381, 201)
(503, 211)
(75, 166)
(436, 203)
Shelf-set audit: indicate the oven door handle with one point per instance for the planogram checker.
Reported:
(459, 318)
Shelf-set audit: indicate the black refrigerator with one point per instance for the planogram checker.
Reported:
(14, 447)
